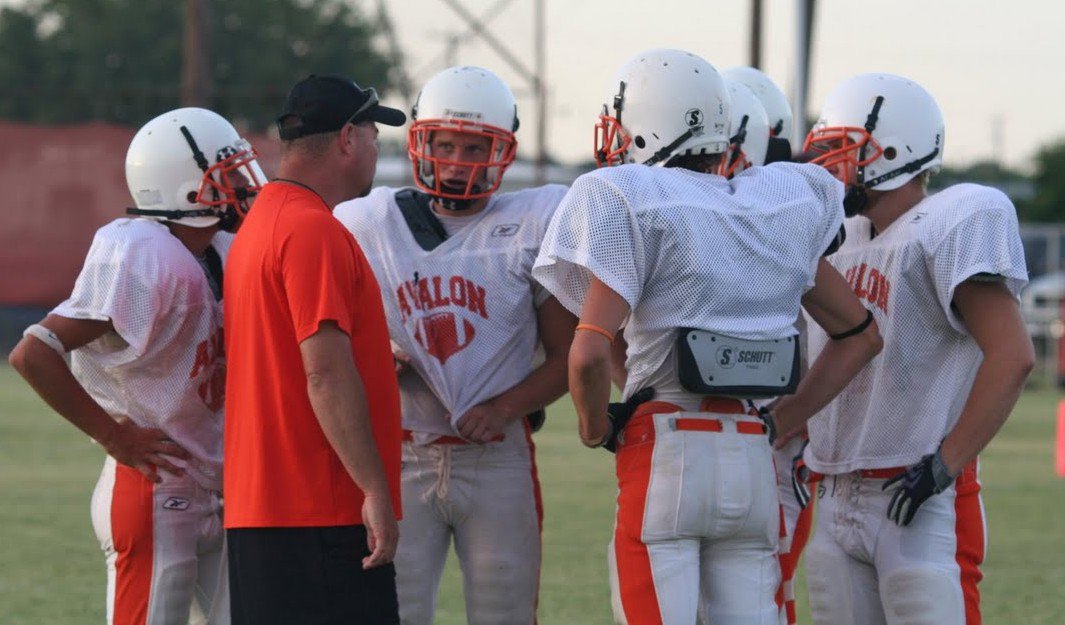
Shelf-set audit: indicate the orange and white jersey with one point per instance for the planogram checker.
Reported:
(164, 365)
(688, 249)
(465, 311)
(904, 402)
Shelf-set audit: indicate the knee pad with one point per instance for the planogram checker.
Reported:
(922, 595)
(827, 583)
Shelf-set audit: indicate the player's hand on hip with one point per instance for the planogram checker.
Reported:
(401, 359)
(619, 414)
(382, 530)
(484, 423)
(912, 488)
(144, 449)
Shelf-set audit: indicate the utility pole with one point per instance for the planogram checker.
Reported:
(196, 83)
(756, 34)
(540, 85)
(804, 34)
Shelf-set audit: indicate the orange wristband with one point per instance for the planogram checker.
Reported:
(597, 329)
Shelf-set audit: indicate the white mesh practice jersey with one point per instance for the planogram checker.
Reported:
(465, 311)
(686, 249)
(904, 402)
(164, 365)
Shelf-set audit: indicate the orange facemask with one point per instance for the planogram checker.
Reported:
(484, 177)
(841, 148)
(611, 142)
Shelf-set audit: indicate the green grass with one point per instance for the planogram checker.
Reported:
(52, 573)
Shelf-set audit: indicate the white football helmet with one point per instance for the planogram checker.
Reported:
(777, 109)
(469, 100)
(190, 166)
(878, 131)
(664, 103)
(749, 130)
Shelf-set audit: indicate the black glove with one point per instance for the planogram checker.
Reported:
(620, 413)
(770, 428)
(924, 479)
(800, 478)
(536, 419)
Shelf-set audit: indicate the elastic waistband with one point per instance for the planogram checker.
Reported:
(967, 475)
(642, 430)
(408, 436)
(720, 405)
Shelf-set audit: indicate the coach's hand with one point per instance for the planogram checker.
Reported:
(382, 530)
(924, 479)
(484, 423)
(619, 414)
(144, 449)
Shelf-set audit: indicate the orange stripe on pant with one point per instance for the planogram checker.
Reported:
(131, 527)
(538, 496)
(636, 584)
(969, 529)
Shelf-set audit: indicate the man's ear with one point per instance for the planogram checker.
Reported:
(346, 139)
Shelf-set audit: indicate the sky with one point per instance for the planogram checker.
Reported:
(993, 66)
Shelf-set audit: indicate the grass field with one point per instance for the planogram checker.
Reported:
(51, 569)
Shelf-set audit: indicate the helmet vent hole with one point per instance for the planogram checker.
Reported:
(191, 197)
(640, 143)
(890, 153)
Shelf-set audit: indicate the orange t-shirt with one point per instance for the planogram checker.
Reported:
(291, 267)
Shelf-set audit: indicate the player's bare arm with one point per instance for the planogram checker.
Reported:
(618, 353)
(590, 360)
(338, 398)
(836, 309)
(145, 449)
(546, 383)
(993, 318)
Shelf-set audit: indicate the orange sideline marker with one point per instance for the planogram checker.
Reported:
(1059, 448)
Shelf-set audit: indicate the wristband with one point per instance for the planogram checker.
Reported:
(858, 329)
(45, 336)
(594, 328)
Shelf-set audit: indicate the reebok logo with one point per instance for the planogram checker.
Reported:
(176, 503)
(506, 230)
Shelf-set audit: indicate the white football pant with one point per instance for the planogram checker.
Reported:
(863, 568)
(698, 520)
(486, 497)
(164, 546)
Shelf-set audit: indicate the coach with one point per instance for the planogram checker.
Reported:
(312, 434)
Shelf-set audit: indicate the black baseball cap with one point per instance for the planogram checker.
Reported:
(319, 104)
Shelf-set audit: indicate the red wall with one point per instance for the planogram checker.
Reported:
(58, 184)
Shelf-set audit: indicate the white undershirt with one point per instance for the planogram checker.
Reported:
(454, 223)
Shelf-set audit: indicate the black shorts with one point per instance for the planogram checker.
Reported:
(307, 576)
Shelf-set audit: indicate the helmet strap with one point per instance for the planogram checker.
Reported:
(908, 168)
(667, 150)
(870, 126)
(171, 214)
(737, 141)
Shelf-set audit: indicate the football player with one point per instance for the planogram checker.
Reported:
(454, 259)
(143, 327)
(707, 275)
(941, 273)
